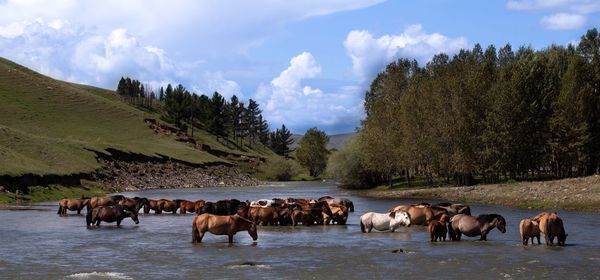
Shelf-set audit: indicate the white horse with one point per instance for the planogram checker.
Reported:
(388, 221)
(262, 203)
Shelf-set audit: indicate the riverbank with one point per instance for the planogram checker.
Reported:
(121, 175)
(576, 194)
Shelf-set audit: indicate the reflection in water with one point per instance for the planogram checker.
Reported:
(40, 244)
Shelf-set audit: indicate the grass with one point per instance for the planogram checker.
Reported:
(50, 193)
(52, 127)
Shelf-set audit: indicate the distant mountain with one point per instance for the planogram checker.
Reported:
(336, 141)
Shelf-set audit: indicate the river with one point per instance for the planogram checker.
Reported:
(39, 244)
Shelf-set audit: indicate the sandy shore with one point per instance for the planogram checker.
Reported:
(577, 194)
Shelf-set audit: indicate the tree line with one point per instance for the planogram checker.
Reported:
(482, 115)
(226, 119)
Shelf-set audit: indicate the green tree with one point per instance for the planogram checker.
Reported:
(178, 103)
(218, 118)
(280, 141)
(312, 151)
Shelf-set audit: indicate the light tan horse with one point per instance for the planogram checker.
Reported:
(551, 225)
(529, 229)
(420, 214)
(221, 225)
(72, 204)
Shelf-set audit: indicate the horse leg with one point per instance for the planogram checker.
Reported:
(483, 237)
(119, 222)
(230, 238)
(538, 239)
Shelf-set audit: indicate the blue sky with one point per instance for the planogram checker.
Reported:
(308, 63)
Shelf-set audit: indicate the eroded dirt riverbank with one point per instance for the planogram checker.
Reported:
(576, 194)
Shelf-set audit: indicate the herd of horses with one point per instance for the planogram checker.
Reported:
(229, 216)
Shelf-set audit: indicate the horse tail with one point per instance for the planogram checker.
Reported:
(194, 232)
(88, 217)
(59, 209)
(362, 226)
(451, 231)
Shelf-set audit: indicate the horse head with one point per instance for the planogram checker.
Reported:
(132, 214)
(499, 222)
(401, 217)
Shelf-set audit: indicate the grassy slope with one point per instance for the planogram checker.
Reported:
(47, 126)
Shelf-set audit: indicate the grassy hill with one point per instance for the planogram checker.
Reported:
(53, 127)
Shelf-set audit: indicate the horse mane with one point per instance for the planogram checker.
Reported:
(440, 208)
(443, 204)
(243, 219)
(490, 217)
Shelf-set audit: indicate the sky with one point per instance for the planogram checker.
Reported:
(308, 63)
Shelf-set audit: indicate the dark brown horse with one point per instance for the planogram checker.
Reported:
(437, 229)
(223, 207)
(72, 204)
(135, 203)
(221, 225)
(110, 214)
(473, 226)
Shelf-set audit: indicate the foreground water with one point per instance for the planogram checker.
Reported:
(40, 244)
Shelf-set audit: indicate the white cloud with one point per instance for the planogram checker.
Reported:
(520, 5)
(567, 14)
(563, 21)
(210, 27)
(66, 51)
(577, 6)
(301, 67)
(286, 100)
(369, 54)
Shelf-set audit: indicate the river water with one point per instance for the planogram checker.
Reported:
(38, 244)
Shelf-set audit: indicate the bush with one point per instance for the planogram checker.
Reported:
(281, 169)
(347, 165)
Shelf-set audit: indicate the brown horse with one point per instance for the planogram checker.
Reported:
(72, 204)
(437, 229)
(473, 226)
(529, 228)
(153, 204)
(169, 205)
(135, 203)
(190, 206)
(110, 214)
(264, 215)
(221, 225)
(340, 215)
(105, 201)
(339, 201)
(551, 225)
(420, 214)
(454, 208)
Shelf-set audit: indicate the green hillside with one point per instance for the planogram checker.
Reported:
(53, 127)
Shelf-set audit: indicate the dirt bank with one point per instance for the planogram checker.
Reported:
(568, 194)
(119, 175)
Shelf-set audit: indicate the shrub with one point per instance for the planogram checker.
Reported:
(281, 169)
